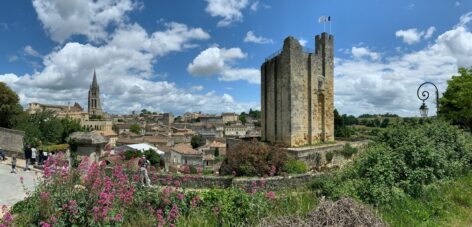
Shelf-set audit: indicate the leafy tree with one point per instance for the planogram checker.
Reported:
(69, 126)
(135, 128)
(9, 105)
(242, 117)
(197, 141)
(456, 103)
(40, 128)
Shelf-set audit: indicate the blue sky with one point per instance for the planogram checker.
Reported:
(205, 55)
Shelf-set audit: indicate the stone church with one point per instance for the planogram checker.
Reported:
(297, 94)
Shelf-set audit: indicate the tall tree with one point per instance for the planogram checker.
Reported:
(9, 105)
(456, 103)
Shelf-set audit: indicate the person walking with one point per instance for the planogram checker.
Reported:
(143, 164)
(27, 157)
(13, 163)
(33, 156)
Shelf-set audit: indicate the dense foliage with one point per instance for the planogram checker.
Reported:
(197, 141)
(44, 128)
(401, 161)
(135, 128)
(456, 103)
(151, 155)
(293, 166)
(254, 159)
(9, 105)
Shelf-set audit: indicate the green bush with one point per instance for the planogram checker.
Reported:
(293, 166)
(153, 157)
(254, 159)
(316, 158)
(401, 161)
(329, 156)
(348, 150)
(129, 154)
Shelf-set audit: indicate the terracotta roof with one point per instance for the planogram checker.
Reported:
(126, 140)
(166, 149)
(185, 148)
(156, 139)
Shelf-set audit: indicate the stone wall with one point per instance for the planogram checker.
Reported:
(270, 183)
(11, 140)
(190, 181)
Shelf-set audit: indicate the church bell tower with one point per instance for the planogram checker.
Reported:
(94, 106)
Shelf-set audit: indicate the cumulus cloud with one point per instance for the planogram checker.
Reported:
(413, 35)
(229, 10)
(252, 38)
(255, 6)
(62, 19)
(366, 85)
(30, 51)
(219, 61)
(197, 88)
(302, 41)
(359, 52)
(124, 61)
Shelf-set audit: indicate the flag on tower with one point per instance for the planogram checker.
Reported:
(324, 19)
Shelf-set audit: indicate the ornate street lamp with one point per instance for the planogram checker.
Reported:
(424, 96)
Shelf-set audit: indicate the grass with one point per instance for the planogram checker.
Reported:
(297, 201)
(447, 203)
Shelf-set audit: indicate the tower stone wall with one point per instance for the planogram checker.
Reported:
(297, 94)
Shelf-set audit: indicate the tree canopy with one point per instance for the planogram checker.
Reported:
(9, 105)
(456, 103)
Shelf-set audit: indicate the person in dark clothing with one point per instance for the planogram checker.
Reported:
(27, 157)
(2, 155)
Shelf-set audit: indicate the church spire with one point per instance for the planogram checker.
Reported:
(94, 82)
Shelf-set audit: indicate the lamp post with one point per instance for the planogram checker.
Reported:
(424, 96)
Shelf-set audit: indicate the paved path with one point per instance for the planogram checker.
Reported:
(11, 190)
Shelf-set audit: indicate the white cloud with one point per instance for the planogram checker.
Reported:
(457, 3)
(3, 26)
(12, 58)
(302, 41)
(359, 52)
(62, 19)
(412, 35)
(219, 61)
(252, 38)
(364, 85)
(124, 65)
(230, 10)
(411, 6)
(30, 51)
(254, 6)
(176, 37)
(197, 88)
(429, 32)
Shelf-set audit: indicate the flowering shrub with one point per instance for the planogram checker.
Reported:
(94, 194)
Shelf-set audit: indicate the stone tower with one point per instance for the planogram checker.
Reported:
(94, 106)
(297, 94)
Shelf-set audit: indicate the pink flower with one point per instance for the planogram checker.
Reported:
(271, 195)
(118, 217)
(44, 224)
(180, 196)
(7, 218)
(21, 180)
(44, 195)
(273, 170)
(216, 210)
(177, 183)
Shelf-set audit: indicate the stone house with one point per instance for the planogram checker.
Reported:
(229, 117)
(184, 154)
(235, 130)
(89, 144)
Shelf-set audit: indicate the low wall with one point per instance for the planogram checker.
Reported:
(266, 183)
(308, 154)
(11, 140)
(191, 181)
